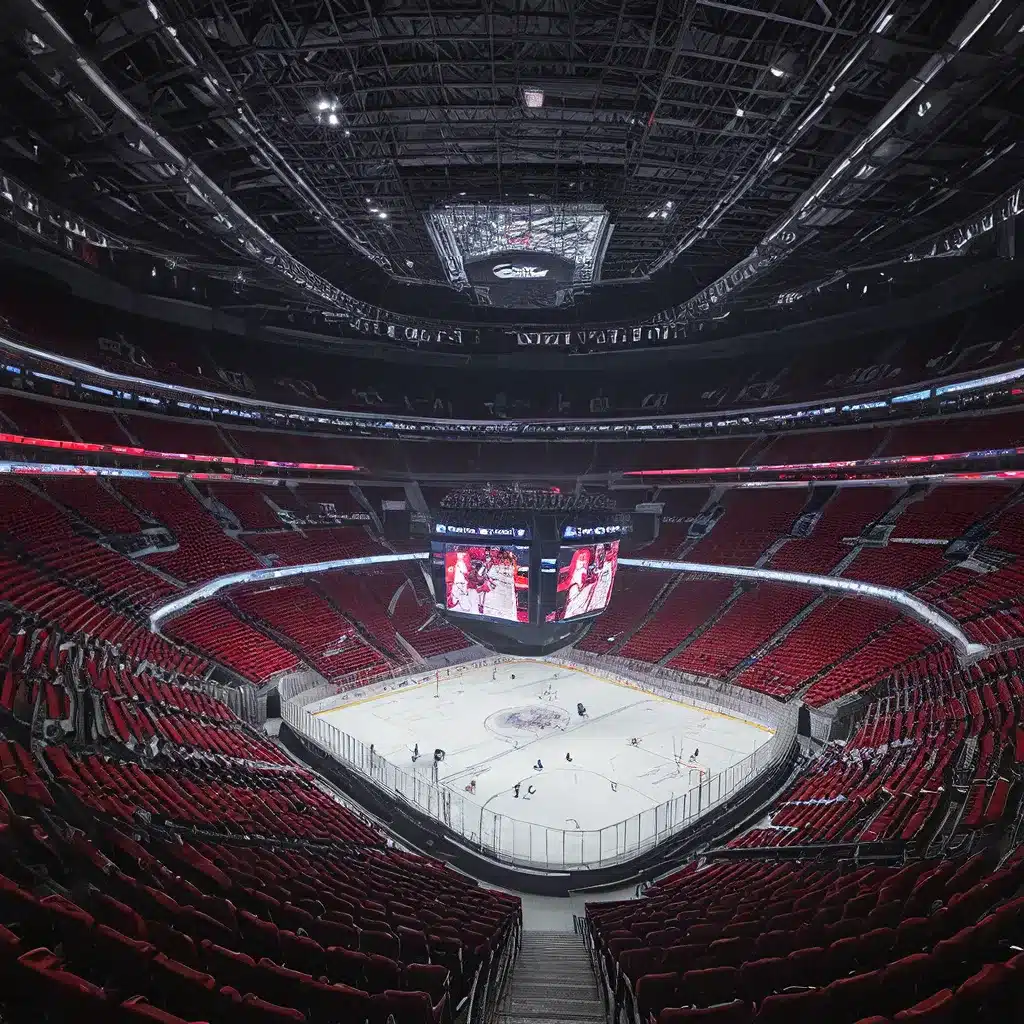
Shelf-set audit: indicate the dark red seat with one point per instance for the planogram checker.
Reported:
(254, 1010)
(808, 966)
(279, 984)
(654, 992)
(936, 1009)
(381, 973)
(413, 945)
(710, 986)
(430, 978)
(347, 965)
(237, 970)
(302, 953)
(336, 1002)
(408, 1008)
(64, 995)
(180, 988)
(806, 1007)
(986, 993)
(138, 1009)
(737, 1012)
(760, 978)
(381, 943)
(851, 998)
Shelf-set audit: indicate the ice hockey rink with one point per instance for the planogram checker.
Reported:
(495, 723)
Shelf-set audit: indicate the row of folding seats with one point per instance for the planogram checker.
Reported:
(831, 632)
(745, 932)
(91, 499)
(168, 930)
(247, 502)
(247, 800)
(214, 629)
(689, 604)
(46, 533)
(122, 681)
(204, 550)
(895, 992)
(328, 640)
(365, 598)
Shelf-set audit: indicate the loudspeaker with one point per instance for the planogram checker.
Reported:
(646, 527)
(397, 524)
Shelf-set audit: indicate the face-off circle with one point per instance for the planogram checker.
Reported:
(526, 722)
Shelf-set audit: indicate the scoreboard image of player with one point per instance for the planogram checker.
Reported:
(586, 576)
(490, 582)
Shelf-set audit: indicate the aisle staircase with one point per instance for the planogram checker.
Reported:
(553, 983)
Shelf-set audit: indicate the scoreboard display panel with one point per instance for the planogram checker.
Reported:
(586, 576)
(488, 582)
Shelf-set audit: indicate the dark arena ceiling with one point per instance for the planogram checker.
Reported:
(308, 150)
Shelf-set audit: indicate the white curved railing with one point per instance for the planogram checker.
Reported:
(968, 650)
(528, 845)
(234, 579)
(913, 606)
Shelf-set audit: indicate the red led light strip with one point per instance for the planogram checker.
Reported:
(144, 453)
(879, 463)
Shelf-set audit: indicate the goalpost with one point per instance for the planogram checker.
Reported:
(694, 773)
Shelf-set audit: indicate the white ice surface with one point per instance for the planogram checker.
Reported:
(570, 796)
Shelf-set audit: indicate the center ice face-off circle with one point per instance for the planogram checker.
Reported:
(526, 722)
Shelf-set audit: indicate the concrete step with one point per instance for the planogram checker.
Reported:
(553, 983)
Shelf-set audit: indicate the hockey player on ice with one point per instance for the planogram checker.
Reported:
(538, 767)
(581, 710)
(471, 788)
(696, 754)
(515, 790)
(415, 752)
(568, 756)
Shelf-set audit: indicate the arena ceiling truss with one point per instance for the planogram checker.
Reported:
(736, 146)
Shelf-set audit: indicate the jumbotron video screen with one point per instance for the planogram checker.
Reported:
(586, 576)
(489, 582)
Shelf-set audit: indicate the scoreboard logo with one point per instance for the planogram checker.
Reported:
(518, 271)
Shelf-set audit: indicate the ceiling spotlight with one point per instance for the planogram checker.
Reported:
(347, 132)
(332, 119)
(383, 215)
(923, 108)
(777, 72)
(323, 105)
(533, 98)
(669, 204)
(664, 214)
(740, 112)
(368, 199)
(652, 214)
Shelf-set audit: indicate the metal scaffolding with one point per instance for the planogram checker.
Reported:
(244, 134)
